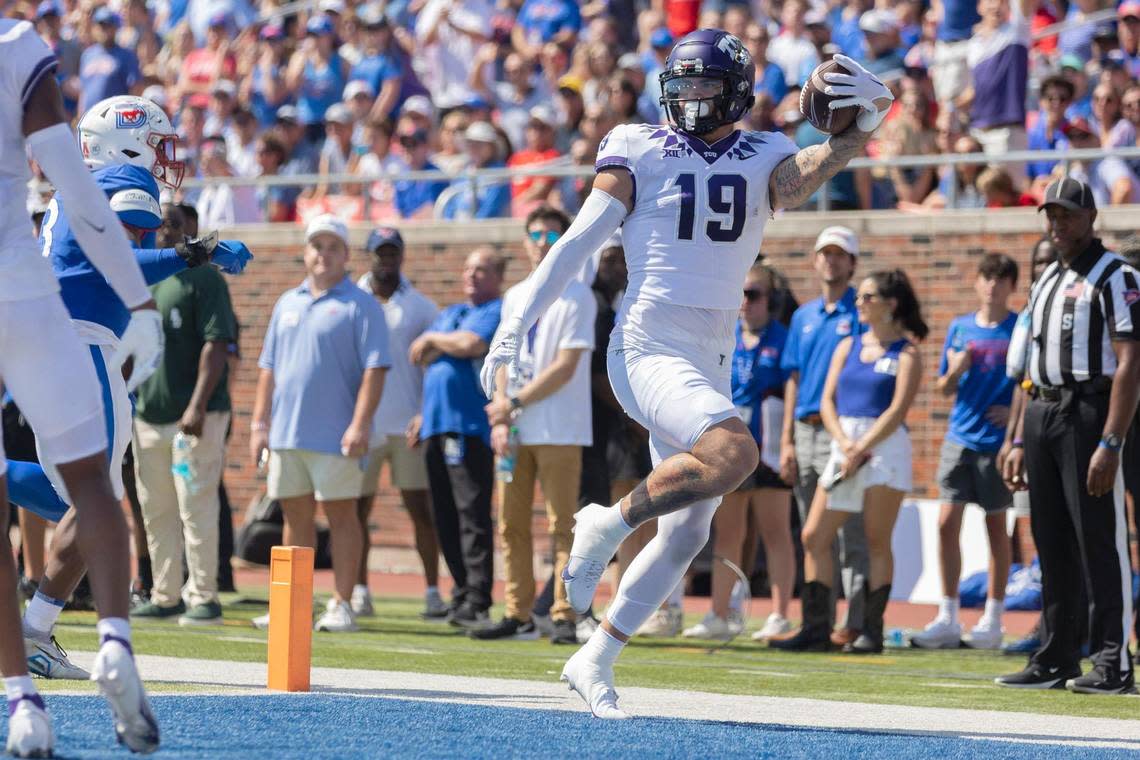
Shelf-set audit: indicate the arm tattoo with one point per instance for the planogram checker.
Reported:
(797, 177)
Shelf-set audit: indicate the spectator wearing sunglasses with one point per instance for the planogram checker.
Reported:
(415, 197)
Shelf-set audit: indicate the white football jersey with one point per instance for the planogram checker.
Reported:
(24, 60)
(698, 211)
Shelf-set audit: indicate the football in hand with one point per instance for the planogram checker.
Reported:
(814, 102)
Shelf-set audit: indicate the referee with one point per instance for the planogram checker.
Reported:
(1084, 364)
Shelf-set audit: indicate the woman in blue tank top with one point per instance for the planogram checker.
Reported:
(870, 386)
(317, 76)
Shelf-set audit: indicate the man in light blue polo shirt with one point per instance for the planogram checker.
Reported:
(322, 372)
(457, 434)
(816, 329)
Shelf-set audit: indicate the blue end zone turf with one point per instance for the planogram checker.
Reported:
(335, 726)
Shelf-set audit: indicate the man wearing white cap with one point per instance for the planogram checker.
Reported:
(817, 328)
(528, 192)
(322, 373)
(480, 199)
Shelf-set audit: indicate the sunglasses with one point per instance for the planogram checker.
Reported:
(551, 236)
(1055, 98)
(866, 298)
(751, 294)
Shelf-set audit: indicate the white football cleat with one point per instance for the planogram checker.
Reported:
(29, 728)
(594, 684)
(118, 678)
(940, 633)
(591, 552)
(47, 659)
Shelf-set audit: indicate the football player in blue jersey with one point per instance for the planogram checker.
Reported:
(692, 199)
(128, 143)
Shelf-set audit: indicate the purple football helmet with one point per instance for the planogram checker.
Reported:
(707, 81)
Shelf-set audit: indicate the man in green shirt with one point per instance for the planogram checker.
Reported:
(188, 395)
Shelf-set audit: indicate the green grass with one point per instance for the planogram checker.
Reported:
(396, 639)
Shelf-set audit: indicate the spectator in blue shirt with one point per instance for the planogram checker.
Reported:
(316, 75)
(1047, 131)
(480, 198)
(414, 196)
(457, 434)
(542, 21)
(322, 372)
(951, 72)
(817, 328)
(105, 69)
(973, 371)
(379, 67)
(769, 77)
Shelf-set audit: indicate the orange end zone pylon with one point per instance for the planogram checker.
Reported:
(290, 617)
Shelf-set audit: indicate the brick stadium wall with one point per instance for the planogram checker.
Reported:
(940, 253)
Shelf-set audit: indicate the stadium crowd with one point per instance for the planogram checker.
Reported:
(376, 89)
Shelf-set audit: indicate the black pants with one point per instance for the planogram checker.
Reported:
(461, 476)
(1072, 528)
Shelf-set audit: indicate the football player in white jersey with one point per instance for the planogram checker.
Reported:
(693, 198)
(51, 376)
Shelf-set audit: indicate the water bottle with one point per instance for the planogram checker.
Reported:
(505, 465)
(182, 466)
(896, 638)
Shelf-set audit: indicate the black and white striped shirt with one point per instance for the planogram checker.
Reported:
(1076, 314)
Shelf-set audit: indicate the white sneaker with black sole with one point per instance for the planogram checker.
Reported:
(118, 678)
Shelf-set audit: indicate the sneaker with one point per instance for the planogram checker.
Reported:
(544, 625)
(435, 609)
(118, 679)
(261, 622)
(662, 624)
(207, 613)
(361, 602)
(594, 684)
(507, 628)
(592, 550)
(987, 634)
(1026, 645)
(152, 611)
(1039, 677)
(565, 632)
(139, 597)
(47, 659)
(469, 616)
(585, 628)
(940, 633)
(29, 728)
(338, 618)
(1100, 680)
(710, 627)
(775, 625)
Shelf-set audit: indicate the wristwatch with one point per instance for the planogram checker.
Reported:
(1112, 442)
(516, 405)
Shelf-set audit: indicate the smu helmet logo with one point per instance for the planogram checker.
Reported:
(130, 118)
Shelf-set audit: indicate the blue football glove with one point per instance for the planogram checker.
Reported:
(231, 256)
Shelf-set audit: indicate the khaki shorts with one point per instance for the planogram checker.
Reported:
(330, 477)
(406, 468)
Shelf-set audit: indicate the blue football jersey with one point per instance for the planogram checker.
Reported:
(133, 194)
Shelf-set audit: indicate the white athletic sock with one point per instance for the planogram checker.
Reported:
(613, 522)
(118, 628)
(948, 609)
(41, 614)
(994, 609)
(19, 686)
(360, 589)
(603, 648)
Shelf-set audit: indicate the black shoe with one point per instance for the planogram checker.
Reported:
(1101, 680)
(507, 628)
(565, 632)
(815, 632)
(870, 641)
(469, 616)
(1037, 676)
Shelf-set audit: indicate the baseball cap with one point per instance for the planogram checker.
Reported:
(224, 87)
(319, 25)
(571, 83)
(629, 61)
(338, 113)
(1072, 61)
(481, 131)
(843, 237)
(272, 32)
(221, 18)
(878, 22)
(816, 17)
(358, 87)
(105, 15)
(1069, 193)
(476, 103)
(1078, 125)
(332, 6)
(1104, 30)
(47, 8)
(329, 223)
(544, 114)
(661, 37)
(419, 104)
(287, 113)
(371, 16)
(382, 236)
(1128, 8)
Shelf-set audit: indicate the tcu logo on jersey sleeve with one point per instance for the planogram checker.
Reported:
(130, 118)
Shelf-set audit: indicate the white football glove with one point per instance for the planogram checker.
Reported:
(859, 88)
(504, 351)
(143, 341)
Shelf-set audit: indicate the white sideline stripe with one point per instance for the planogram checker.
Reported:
(248, 678)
